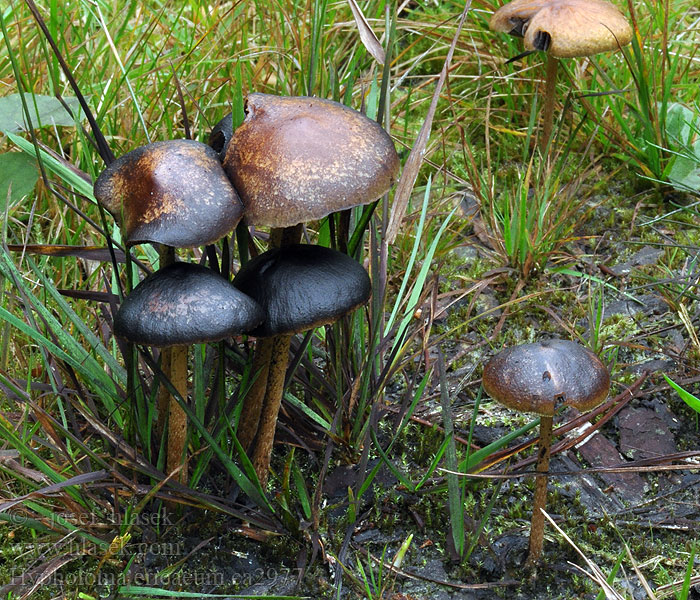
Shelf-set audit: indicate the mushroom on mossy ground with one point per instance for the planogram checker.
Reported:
(299, 287)
(539, 378)
(174, 193)
(178, 306)
(293, 160)
(563, 29)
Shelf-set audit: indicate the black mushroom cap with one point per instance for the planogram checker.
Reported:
(184, 304)
(221, 135)
(303, 286)
(537, 377)
(298, 159)
(174, 193)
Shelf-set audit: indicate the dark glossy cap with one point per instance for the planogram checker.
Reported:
(538, 377)
(303, 286)
(564, 28)
(184, 304)
(174, 193)
(221, 135)
(297, 159)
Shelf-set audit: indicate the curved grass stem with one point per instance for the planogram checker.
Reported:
(549, 97)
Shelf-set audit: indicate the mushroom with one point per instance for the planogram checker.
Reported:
(300, 287)
(177, 306)
(297, 159)
(563, 29)
(185, 304)
(292, 160)
(539, 378)
(173, 193)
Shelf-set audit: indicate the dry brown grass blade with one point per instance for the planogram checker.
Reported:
(56, 487)
(670, 589)
(640, 575)
(594, 573)
(369, 40)
(36, 578)
(58, 250)
(415, 158)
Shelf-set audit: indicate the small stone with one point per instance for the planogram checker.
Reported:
(644, 434)
(646, 256)
(599, 451)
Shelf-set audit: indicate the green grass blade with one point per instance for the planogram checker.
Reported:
(686, 396)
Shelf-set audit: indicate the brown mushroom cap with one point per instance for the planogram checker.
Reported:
(564, 28)
(513, 18)
(184, 304)
(536, 377)
(297, 159)
(173, 192)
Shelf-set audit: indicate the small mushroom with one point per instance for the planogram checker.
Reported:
(298, 159)
(539, 378)
(300, 287)
(563, 29)
(177, 306)
(184, 304)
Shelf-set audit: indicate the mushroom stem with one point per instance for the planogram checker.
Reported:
(163, 395)
(549, 95)
(177, 418)
(174, 367)
(270, 382)
(277, 370)
(540, 498)
(253, 402)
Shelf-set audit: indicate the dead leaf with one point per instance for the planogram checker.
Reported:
(415, 159)
(369, 40)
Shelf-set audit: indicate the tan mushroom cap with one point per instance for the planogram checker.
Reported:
(173, 192)
(538, 377)
(564, 28)
(297, 159)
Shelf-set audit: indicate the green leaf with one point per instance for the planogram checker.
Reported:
(682, 126)
(44, 111)
(67, 175)
(687, 397)
(18, 176)
(685, 173)
(680, 122)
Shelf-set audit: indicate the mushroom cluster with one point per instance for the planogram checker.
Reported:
(294, 159)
